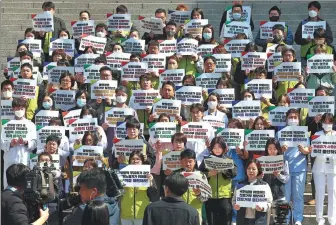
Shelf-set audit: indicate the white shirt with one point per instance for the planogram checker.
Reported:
(221, 116)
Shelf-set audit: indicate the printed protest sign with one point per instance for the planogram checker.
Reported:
(91, 72)
(134, 46)
(266, 28)
(103, 89)
(319, 105)
(115, 115)
(235, 47)
(179, 17)
(277, 115)
(219, 164)
(323, 146)
(187, 46)
(13, 62)
(309, 28)
(67, 44)
(292, 136)
(215, 121)
(320, 63)
(43, 132)
(245, 17)
(143, 99)
(15, 72)
(299, 97)
(151, 24)
(162, 131)
(135, 175)
(256, 139)
(189, 94)
(87, 152)
(205, 49)
(272, 60)
(245, 110)
(251, 195)
(116, 59)
(7, 112)
(171, 160)
(155, 62)
(77, 127)
(233, 137)
(43, 117)
(43, 21)
(169, 106)
(197, 180)
(120, 131)
(96, 42)
(14, 129)
(227, 96)
(70, 115)
(288, 71)
(260, 87)
(271, 47)
(207, 80)
(195, 26)
(64, 99)
(55, 72)
(231, 29)
(84, 59)
(34, 45)
(120, 22)
(269, 164)
(223, 62)
(133, 70)
(196, 131)
(126, 146)
(53, 165)
(174, 75)
(252, 60)
(167, 47)
(83, 27)
(24, 88)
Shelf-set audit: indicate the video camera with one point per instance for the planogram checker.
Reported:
(280, 211)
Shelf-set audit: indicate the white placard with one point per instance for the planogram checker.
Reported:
(82, 27)
(134, 46)
(292, 136)
(207, 80)
(96, 42)
(24, 88)
(235, 46)
(233, 137)
(246, 110)
(260, 88)
(43, 117)
(309, 28)
(219, 164)
(167, 47)
(171, 160)
(78, 127)
(196, 131)
(195, 26)
(43, 21)
(323, 145)
(143, 99)
(103, 89)
(64, 99)
(299, 97)
(227, 96)
(117, 22)
(67, 44)
(231, 29)
(266, 28)
(319, 105)
(151, 24)
(320, 63)
(174, 75)
(189, 94)
(135, 175)
(87, 152)
(269, 164)
(256, 139)
(252, 60)
(251, 195)
(187, 46)
(277, 115)
(288, 71)
(115, 115)
(162, 131)
(43, 132)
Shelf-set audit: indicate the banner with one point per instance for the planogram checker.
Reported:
(233, 137)
(231, 29)
(216, 122)
(77, 127)
(207, 80)
(206, 49)
(197, 180)
(277, 115)
(7, 112)
(227, 96)
(260, 87)
(187, 46)
(219, 164)
(320, 63)
(67, 44)
(96, 42)
(292, 136)
(269, 164)
(223, 63)
(143, 99)
(14, 129)
(126, 146)
(43, 117)
(299, 97)
(103, 89)
(64, 99)
(196, 131)
(194, 27)
(34, 45)
(245, 17)
(82, 27)
(235, 47)
(167, 47)
(70, 115)
(169, 106)
(266, 28)
(151, 25)
(84, 59)
(288, 71)
(155, 62)
(55, 72)
(24, 88)
(134, 46)
(87, 152)
(189, 94)
(120, 131)
(171, 160)
(250, 195)
(162, 131)
(179, 17)
(43, 132)
(116, 59)
(54, 164)
(174, 75)
(256, 139)
(272, 60)
(319, 105)
(117, 22)
(246, 110)
(252, 60)
(135, 175)
(323, 146)
(309, 28)
(43, 21)
(115, 115)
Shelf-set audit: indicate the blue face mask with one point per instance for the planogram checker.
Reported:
(46, 105)
(207, 36)
(81, 102)
(236, 16)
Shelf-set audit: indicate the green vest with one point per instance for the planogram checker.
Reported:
(221, 188)
(134, 202)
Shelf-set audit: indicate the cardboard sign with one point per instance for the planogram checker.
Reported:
(320, 63)
(143, 99)
(319, 105)
(70, 115)
(272, 60)
(245, 110)
(260, 87)
(269, 164)
(207, 80)
(54, 164)
(116, 59)
(96, 42)
(151, 24)
(162, 131)
(175, 76)
(196, 131)
(197, 180)
(87, 152)
(288, 71)
(77, 127)
(155, 62)
(34, 46)
(121, 132)
(292, 136)
(169, 106)
(133, 70)
(187, 46)
(227, 96)
(323, 146)
(115, 115)
(231, 29)
(91, 72)
(189, 94)
(64, 99)
(83, 27)
(126, 146)
(103, 89)
(134, 46)
(219, 164)
(171, 160)
(7, 112)
(251, 195)
(215, 121)
(120, 22)
(299, 97)
(67, 44)
(195, 26)
(167, 47)
(277, 115)
(233, 137)
(43, 132)
(257, 139)
(309, 28)
(252, 60)
(24, 88)
(43, 117)
(179, 17)
(14, 129)
(135, 175)
(235, 47)
(266, 28)
(43, 21)
(55, 72)
(84, 59)
(245, 17)
(223, 63)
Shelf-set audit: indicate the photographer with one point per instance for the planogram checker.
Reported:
(13, 210)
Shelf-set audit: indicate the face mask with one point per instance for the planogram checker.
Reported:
(236, 16)
(207, 36)
(26, 61)
(212, 105)
(87, 117)
(278, 38)
(293, 122)
(7, 94)
(312, 13)
(46, 105)
(121, 99)
(30, 38)
(170, 33)
(274, 18)
(19, 113)
(100, 34)
(81, 102)
(117, 50)
(327, 127)
(64, 37)
(248, 98)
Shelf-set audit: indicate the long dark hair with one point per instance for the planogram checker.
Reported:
(276, 143)
(96, 212)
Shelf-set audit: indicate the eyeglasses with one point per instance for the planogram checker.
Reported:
(65, 81)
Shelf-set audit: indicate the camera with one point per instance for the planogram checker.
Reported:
(280, 210)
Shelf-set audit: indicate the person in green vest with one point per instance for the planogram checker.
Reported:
(278, 33)
(320, 39)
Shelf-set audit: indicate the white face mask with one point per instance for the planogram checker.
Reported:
(312, 13)
(121, 99)
(248, 98)
(327, 127)
(7, 94)
(100, 34)
(64, 37)
(19, 113)
(87, 116)
(292, 122)
(212, 105)
(30, 38)
(26, 61)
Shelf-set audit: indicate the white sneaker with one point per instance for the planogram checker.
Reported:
(298, 223)
(233, 223)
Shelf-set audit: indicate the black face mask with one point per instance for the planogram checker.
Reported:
(274, 18)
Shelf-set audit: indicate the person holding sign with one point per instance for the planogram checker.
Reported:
(82, 97)
(136, 199)
(324, 172)
(278, 33)
(258, 213)
(213, 108)
(7, 89)
(160, 14)
(208, 35)
(101, 31)
(53, 146)
(218, 207)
